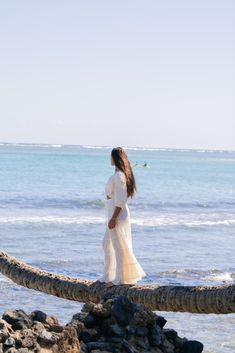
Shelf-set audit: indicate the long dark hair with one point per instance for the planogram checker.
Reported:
(121, 161)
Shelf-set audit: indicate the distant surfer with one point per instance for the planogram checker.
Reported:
(137, 164)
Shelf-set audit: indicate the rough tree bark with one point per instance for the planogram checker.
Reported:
(192, 299)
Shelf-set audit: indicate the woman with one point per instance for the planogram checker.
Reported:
(120, 263)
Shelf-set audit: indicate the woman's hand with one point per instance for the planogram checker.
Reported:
(112, 223)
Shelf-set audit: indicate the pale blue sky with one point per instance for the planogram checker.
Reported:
(126, 72)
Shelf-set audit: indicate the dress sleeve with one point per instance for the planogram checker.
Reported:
(120, 190)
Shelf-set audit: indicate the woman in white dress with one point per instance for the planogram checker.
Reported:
(120, 263)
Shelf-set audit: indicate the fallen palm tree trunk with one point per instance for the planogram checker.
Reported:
(192, 299)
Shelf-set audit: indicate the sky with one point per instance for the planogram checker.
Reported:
(147, 73)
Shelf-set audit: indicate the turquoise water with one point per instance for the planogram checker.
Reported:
(183, 223)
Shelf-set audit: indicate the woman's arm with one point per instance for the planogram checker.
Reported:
(120, 197)
(112, 221)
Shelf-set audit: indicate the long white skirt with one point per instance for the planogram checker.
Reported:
(120, 263)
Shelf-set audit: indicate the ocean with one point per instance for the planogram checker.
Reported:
(183, 224)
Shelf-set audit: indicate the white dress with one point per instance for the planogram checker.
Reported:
(120, 263)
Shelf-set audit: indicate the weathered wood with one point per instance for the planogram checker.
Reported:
(192, 299)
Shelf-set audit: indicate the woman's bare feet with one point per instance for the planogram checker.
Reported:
(109, 284)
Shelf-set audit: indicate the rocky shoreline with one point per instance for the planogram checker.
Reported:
(114, 325)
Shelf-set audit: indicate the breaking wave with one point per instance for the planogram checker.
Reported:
(141, 221)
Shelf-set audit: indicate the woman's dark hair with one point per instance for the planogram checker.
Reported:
(121, 161)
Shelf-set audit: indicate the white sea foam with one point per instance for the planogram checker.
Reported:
(52, 219)
(220, 277)
(136, 148)
(165, 221)
(143, 221)
(212, 275)
(2, 279)
(96, 147)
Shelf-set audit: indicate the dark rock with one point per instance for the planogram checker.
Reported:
(92, 319)
(191, 347)
(115, 325)
(122, 309)
(167, 346)
(18, 342)
(115, 330)
(142, 342)
(128, 347)
(103, 346)
(88, 335)
(130, 331)
(106, 323)
(179, 341)
(38, 315)
(80, 316)
(170, 334)
(114, 339)
(141, 331)
(83, 347)
(155, 335)
(84, 336)
(142, 316)
(18, 319)
(89, 320)
(160, 321)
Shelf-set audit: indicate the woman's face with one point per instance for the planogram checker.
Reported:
(112, 161)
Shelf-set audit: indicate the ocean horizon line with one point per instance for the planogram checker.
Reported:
(138, 148)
